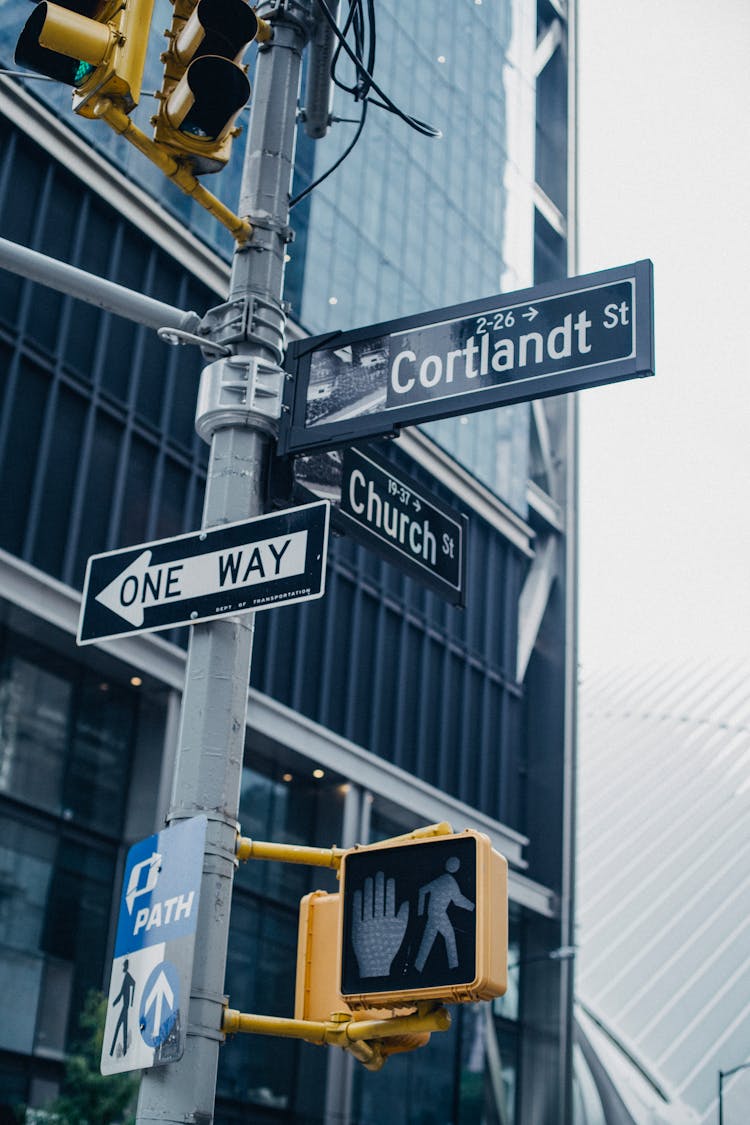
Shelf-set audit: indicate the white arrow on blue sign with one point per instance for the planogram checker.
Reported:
(153, 962)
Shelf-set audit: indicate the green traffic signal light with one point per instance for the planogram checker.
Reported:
(96, 46)
(64, 44)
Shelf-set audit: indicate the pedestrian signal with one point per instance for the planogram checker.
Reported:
(96, 46)
(204, 86)
(424, 920)
(317, 996)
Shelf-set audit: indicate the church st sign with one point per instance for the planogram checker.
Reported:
(400, 518)
(549, 340)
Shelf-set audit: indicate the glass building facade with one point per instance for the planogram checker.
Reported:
(414, 710)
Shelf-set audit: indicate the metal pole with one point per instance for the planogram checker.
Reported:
(728, 1074)
(97, 291)
(208, 768)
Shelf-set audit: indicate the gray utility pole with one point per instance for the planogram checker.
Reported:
(238, 409)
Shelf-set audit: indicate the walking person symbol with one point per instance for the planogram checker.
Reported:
(442, 892)
(124, 996)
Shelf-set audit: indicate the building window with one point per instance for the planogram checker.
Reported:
(66, 736)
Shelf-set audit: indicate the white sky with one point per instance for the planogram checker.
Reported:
(664, 170)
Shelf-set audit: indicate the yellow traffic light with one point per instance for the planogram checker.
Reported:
(423, 920)
(204, 86)
(96, 46)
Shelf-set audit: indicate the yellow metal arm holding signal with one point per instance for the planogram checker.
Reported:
(369, 1040)
(173, 168)
(322, 857)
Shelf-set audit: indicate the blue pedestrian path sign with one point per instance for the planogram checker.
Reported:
(153, 960)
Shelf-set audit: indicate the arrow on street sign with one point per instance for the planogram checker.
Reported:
(160, 1004)
(235, 568)
(549, 340)
(144, 584)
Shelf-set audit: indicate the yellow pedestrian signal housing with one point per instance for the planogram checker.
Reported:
(96, 46)
(317, 995)
(204, 86)
(423, 920)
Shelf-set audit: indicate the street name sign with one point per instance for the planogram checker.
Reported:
(423, 920)
(234, 568)
(390, 512)
(548, 340)
(152, 969)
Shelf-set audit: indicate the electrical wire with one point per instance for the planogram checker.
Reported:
(341, 159)
(363, 31)
(366, 80)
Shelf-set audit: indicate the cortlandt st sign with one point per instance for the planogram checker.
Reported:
(549, 340)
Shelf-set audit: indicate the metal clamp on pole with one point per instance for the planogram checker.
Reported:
(250, 319)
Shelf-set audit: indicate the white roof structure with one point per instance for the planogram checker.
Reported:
(664, 875)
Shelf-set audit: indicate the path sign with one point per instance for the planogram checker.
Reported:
(152, 969)
(235, 568)
(392, 513)
(549, 340)
(424, 920)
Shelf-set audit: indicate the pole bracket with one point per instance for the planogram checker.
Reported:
(239, 390)
(249, 319)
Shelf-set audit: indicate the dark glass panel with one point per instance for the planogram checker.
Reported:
(97, 503)
(34, 710)
(77, 918)
(26, 861)
(60, 482)
(174, 487)
(101, 743)
(258, 1069)
(136, 502)
(152, 380)
(20, 460)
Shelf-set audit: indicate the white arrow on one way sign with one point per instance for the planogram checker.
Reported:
(141, 586)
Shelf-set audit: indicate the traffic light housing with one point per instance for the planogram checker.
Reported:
(204, 86)
(423, 920)
(317, 995)
(96, 46)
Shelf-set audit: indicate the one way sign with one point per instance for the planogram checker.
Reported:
(234, 568)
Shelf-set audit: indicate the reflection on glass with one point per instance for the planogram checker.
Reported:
(34, 708)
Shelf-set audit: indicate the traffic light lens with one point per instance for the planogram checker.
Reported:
(212, 91)
(217, 27)
(30, 53)
(63, 43)
(83, 70)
